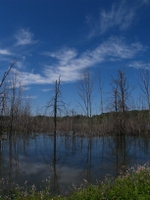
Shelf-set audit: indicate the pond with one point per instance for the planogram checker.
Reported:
(74, 160)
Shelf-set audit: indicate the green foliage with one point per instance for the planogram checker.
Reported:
(135, 184)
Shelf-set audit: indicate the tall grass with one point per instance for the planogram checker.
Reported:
(134, 184)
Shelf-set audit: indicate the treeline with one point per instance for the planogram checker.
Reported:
(117, 116)
(133, 122)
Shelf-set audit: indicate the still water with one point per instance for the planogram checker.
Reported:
(75, 158)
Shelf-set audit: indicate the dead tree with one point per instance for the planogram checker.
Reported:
(115, 99)
(6, 73)
(85, 89)
(121, 94)
(56, 96)
(56, 103)
(100, 89)
(2, 95)
(85, 92)
(144, 83)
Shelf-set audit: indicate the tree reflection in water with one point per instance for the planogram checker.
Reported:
(68, 159)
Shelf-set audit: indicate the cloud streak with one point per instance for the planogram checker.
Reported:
(139, 64)
(119, 15)
(24, 37)
(68, 63)
(5, 52)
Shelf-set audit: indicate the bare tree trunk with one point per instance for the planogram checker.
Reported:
(85, 90)
(100, 87)
(56, 96)
(2, 103)
(116, 100)
(13, 96)
(120, 101)
(54, 104)
(144, 83)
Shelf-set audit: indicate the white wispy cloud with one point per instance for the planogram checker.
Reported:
(15, 51)
(5, 52)
(25, 88)
(68, 63)
(28, 78)
(20, 64)
(46, 90)
(120, 15)
(24, 37)
(139, 64)
(64, 54)
(117, 16)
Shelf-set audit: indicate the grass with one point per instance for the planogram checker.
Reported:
(134, 184)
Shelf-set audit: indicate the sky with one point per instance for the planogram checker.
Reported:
(52, 38)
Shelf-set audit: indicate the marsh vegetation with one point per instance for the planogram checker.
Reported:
(73, 147)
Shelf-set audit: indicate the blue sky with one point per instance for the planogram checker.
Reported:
(50, 38)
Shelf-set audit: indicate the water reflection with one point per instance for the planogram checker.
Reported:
(68, 159)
